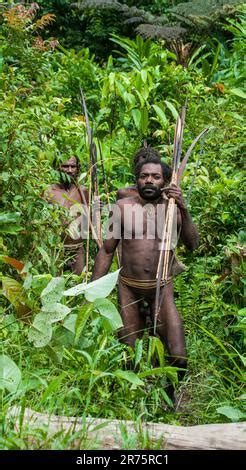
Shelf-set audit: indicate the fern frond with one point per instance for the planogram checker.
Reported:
(164, 32)
(18, 17)
(45, 21)
(129, 12)
(203, 13)
(134, 20)
(108, 4)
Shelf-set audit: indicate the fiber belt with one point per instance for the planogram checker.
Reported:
(73, 246)
(142, 283)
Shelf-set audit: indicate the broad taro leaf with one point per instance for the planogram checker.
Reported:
(98, 289)
(40, 333)
(232, 413)
(55, 312)
(108, 310)
(10, 374)
(81, 320)
(53, 292)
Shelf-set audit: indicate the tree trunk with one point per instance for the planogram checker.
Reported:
(229, 436)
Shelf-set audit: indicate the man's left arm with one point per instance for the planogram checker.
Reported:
(189, 233)
(84, 195)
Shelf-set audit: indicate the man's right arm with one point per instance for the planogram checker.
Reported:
(106, 253)
(104, 258)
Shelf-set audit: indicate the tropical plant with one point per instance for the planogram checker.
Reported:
(60, 352)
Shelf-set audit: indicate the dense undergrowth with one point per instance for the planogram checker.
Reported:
(65, 358)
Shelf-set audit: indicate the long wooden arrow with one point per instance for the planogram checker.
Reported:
(93, 171)
(166, 257)
(165, 249)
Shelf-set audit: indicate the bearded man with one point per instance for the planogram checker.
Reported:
(67, 193)
(140, 156)
(140, 256)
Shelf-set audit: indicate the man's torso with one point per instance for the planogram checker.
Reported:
(68, 199)
(142, 227)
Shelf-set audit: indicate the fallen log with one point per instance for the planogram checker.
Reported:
(108, 434)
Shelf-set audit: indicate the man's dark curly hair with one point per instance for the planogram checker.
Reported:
(166, 170)
(145, 152)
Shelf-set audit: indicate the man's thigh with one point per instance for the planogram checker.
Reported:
(169, 324)
(133, 321)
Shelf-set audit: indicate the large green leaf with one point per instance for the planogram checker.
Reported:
(40, 333)
(40, 281)
(144, 75)
(233, 414)
(9, 222)
(55, 312)
(161, 115)
(14, 292)
(129, 376)
(81, 320)
(237, 92)
(10, 374)
(108, 310)
(157, 345)
(172, 109)
(136, 117)
(98, 289)
(70, 322)
(170, 372)
(53, 292)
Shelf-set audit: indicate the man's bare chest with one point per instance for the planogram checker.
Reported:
(66, 198)
(142, 221)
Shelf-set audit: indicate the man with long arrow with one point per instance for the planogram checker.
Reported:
(68, 194)
(136, 222)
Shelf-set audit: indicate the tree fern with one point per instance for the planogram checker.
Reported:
(197, 12)
(173, 24)
(158, 31)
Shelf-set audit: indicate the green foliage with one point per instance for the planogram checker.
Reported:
(10, 223)
(10, 374)
(69, 357)
(98, 289)
(233, 414)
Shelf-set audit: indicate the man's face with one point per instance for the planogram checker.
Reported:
(150, 181)
(70, 168)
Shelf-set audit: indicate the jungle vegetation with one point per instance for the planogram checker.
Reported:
(59, 348)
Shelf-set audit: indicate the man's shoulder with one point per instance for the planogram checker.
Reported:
(128, 200)
(126, 192)
(54, 187)
(50, 190)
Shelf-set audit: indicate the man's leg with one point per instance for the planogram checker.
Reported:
(170, 330)
(132, 319)
(77, 265)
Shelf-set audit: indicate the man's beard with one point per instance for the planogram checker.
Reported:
(150, 192)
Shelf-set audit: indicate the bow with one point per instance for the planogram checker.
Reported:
(165, 260)
(93, 170)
